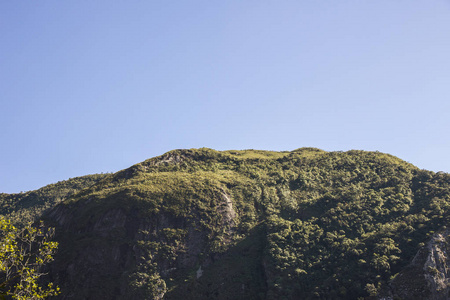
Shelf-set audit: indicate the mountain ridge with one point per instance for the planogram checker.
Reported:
(301, 224)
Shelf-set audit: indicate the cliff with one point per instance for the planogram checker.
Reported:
(428, 275)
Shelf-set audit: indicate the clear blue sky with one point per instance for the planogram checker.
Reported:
(96, 86)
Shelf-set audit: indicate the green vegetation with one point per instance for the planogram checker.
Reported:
(23, 254)
(26, 207)
(305, 224)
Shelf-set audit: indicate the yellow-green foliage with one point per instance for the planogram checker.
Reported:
(23, 253)
(255, 154)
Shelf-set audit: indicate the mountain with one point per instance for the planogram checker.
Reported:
(206, 224)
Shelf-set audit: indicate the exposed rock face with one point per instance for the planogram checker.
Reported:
(129, 253)
(428, 275)
(169, 158)
(97, 253)
(436, 267)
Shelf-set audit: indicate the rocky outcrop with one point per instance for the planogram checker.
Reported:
(436, 268)
(428, 275)
(125, 252)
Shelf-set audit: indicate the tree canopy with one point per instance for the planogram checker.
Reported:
(23, 254)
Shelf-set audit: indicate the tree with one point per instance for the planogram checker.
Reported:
(23, 253)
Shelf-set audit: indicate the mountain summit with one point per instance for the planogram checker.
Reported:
(250, 224)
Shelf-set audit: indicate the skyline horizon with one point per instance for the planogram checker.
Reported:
(98, 86)
(115, 171)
